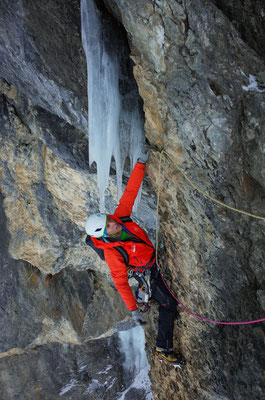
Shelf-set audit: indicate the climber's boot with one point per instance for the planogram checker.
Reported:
(170, 357)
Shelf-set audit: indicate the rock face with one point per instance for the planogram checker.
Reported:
(58, 306)
(47, 326)
(200, 70)
(199, 66)
(34, 39)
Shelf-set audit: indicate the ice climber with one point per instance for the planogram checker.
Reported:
(127, 250)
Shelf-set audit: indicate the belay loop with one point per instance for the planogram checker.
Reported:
(158, 258)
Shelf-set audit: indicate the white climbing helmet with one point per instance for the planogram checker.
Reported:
(95, 225)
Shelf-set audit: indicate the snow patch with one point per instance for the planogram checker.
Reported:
(106, 370)
(94, 384)
(141, 381)
(82, 368)
(68, 387)
(253, 85)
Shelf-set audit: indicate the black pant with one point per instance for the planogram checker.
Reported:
(167, 310)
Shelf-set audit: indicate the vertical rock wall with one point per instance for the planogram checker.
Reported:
(200, 70)
(57, 303)
(201, 74)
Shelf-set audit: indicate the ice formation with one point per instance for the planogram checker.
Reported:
(132, 346)
(115, 127)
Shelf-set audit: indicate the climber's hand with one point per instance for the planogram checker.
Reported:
(143, 307)
(138, 318)
(144, 154)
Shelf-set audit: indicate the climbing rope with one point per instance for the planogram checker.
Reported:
(157, 258)
(202, 192)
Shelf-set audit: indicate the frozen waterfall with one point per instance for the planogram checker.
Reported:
(132, 346)
(115, 125)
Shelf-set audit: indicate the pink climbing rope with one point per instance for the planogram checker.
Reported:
(207, 319)
(216, 201)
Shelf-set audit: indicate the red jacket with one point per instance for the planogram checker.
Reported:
(140, 254)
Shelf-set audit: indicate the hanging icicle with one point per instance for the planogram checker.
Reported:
(115, 127)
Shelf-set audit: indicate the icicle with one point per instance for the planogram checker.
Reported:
(107, 118)
(103, 96)
(136, 143)
(136, 367)
(132, 345)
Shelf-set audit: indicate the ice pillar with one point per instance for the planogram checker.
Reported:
(115, 127)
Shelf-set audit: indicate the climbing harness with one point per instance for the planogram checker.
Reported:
(143, 293)
(158, 259)
(141, 273)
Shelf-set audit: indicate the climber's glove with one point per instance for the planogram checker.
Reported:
(144, 154)
(138, 318)
(143, 307)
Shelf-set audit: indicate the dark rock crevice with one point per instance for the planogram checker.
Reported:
(248, 18)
